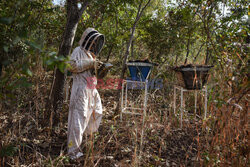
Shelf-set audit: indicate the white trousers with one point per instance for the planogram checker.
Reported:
(85, 114)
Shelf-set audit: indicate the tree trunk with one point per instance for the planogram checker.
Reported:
(139, 14)
(1, 68)
(207, 29)
(207, 55)
(1, 65)
(188, 44)
(73, 16)
(109, 53)
(132, 48)
(198, 52)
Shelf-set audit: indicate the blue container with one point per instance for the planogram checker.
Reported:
(139, 71)
(133, 72)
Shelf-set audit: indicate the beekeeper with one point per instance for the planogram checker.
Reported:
(85, 110)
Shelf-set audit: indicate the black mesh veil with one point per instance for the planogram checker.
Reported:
(99, 42)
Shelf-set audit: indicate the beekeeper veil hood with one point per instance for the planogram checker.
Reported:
(92, 41)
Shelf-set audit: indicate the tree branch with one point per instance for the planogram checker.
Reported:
(139, 14)
(145, 6)
(189, 35)
(199, 51)
(84, 6)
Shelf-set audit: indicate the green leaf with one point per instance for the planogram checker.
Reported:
(16, 40)
(9, 150)
(23, 34)
(6, 20)
(19, 83)
(52, 53)
(60, 58)
(49, 62)
(6, 62)
(61, 67)
(33, 45)
(6, 48)
(23, 83)
(28, 72)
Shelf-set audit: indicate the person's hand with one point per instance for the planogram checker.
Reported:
(99, 63)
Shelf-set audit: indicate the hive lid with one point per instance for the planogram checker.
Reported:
(140, 64)
(191, 67)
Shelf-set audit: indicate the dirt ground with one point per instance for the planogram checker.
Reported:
(118, 142)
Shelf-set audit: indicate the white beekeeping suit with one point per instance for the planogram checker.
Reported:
(85, 110)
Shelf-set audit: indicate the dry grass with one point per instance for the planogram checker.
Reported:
(28, 140)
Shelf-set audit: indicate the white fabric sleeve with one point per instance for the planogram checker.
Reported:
(79, 62)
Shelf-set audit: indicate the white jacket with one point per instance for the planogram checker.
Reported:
(85, 110)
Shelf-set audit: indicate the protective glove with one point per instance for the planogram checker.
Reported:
(98, 64)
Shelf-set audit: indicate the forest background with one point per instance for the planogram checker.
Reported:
(38, 35)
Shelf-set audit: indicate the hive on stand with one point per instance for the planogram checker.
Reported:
(192, 77)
